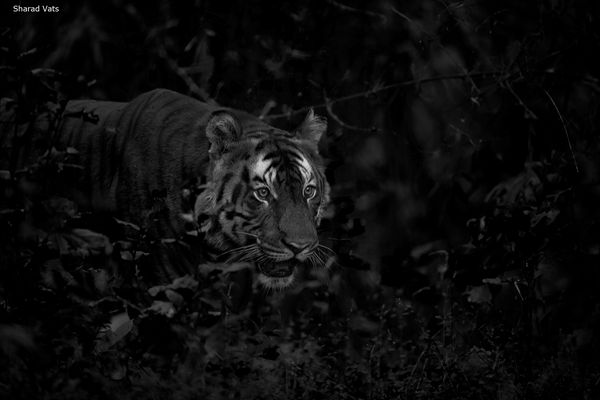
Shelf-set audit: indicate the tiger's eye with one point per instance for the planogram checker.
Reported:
(310, 191)
(262, 193)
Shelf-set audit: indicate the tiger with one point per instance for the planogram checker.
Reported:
(256, 193)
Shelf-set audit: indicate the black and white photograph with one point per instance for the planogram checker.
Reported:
(299, 199)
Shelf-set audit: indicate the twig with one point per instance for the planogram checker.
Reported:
(192, 86)
(344, 7)
(564, 128)
(400, 14)
(434, 38)
(425, 351)
(329, 108)
(528, 111)
(267, 107)
(370, 92)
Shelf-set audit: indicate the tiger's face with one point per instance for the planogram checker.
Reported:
(265, 198)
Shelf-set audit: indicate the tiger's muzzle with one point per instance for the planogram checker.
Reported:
(280, 262)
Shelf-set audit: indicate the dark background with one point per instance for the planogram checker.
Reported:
(463, 157)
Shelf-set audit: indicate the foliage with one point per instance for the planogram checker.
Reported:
(463, 157)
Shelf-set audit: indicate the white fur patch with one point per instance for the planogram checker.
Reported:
(260, 168)
(306, 170)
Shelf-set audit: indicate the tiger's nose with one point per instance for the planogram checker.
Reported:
(297, 247)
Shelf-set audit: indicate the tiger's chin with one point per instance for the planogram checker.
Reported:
(277, 275)
(270, 282)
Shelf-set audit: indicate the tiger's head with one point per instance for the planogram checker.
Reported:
(265, 196)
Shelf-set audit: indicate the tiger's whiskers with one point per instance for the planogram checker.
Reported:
(237, 249)
(241, 253)
(323, 248)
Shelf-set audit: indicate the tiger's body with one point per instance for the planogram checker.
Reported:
(256, 192)
(134, 152)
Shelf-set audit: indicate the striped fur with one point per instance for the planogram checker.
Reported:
(265, 197)
(164, 159)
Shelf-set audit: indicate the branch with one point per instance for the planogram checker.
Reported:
(528, 113)
(329, 108)
(182, 73)
(344, 7)
(397, 85)
(565, 129)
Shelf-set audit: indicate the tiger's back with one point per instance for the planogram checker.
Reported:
(139, 153)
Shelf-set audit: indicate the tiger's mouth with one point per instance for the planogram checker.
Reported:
(277, 275)
(278, 269)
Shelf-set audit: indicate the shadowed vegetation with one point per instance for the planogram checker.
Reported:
(462, 153)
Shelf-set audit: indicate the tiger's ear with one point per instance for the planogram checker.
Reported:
(312, 128)
(222, 130)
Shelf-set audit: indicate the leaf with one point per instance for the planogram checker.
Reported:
(155, 290)
(55, 276)
(551, 278)
(363, 324)
(15, 337)
(547, 217)
(215, 343)
(479, 294)
(120, 325)
(205, 269)
(118, 372)
(434, 265)
(170, 290)
(297, 54)
(8, 211)
(163, 308)
(265, 366)
(133, 255)
(101, 279)
(174, 297)
(582, 338)
(492, 281)
(237, 267)
(477, 360)
(61, 206)
(216, 304)
(86, 242)
(275, 67)
(521, 189)
(127, 224)
(184, 282)
(5, 175)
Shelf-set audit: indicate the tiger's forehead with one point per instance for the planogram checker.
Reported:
(267, 165)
